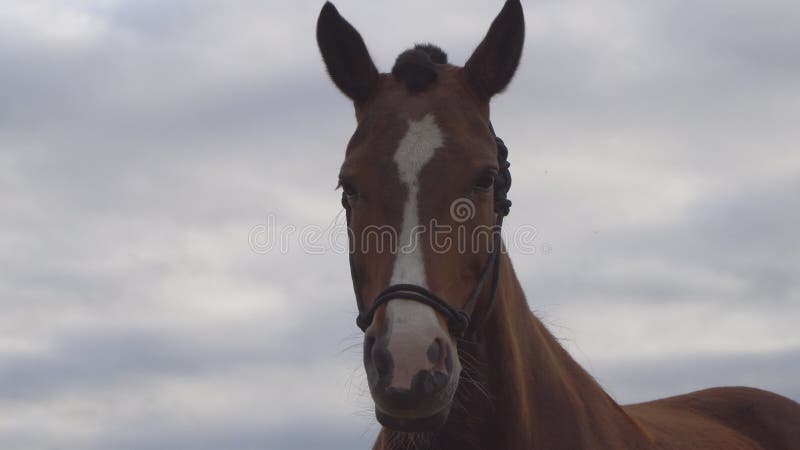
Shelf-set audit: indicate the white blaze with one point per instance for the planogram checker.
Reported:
(416, 149)
(412, 325)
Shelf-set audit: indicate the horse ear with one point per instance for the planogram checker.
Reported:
(346, 57)
(493, 63)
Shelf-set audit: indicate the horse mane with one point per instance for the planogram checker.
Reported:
(417, 67)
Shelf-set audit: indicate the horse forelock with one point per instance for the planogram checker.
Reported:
(417, 67)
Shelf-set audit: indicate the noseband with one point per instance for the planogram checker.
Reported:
(458, 319)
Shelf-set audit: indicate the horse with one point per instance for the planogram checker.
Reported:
(454, 356)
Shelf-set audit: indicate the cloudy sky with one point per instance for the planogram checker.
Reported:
(654, 148)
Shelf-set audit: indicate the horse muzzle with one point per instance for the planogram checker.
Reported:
(412, 368)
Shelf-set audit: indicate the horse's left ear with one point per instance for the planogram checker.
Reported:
(345, 55)
(493, 63)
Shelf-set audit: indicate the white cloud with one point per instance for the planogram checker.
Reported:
(53, 22)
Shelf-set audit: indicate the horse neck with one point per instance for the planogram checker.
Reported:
(522, 390)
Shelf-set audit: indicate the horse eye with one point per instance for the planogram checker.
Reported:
(347, 188)
(485, 181)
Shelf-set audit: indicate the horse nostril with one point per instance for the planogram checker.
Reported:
(369, 343)
(382, 360)
(439, 355)
(435, 351)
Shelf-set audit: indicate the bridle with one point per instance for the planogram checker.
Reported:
(458, 319)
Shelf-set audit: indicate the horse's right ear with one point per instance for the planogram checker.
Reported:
(346, 57)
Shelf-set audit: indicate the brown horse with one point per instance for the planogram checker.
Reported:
(454, 357)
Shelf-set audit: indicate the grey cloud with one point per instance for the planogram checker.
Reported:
(108, 359)
(154, 19)
(312, 437)
(638, 381)
(747, 236)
